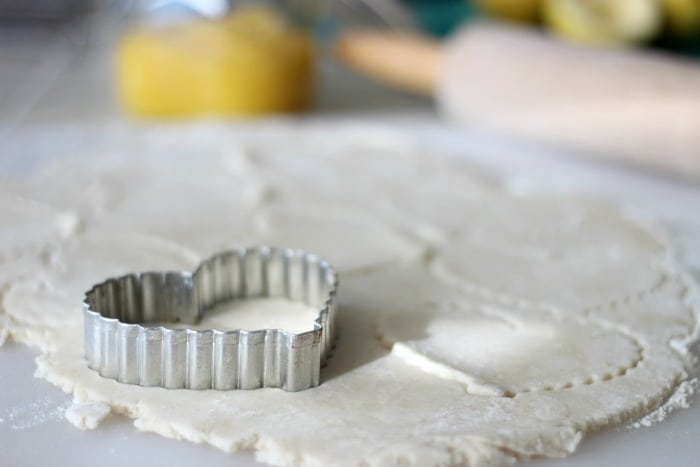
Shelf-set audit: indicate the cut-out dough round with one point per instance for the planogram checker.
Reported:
(36, 227)
(86, 260)
(496, 352)
(204, 210)
(554, 257)
(335, 232)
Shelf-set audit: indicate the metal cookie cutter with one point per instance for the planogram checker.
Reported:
(120, 345)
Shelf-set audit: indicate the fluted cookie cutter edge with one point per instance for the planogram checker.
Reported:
(120, 345)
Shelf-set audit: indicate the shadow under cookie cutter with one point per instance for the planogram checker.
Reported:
(119, 344)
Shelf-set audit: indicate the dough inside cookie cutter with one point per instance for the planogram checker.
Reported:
(120, 345)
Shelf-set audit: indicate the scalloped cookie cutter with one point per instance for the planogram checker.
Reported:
(119, 344)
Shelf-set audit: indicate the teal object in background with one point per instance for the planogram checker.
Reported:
(440, 17)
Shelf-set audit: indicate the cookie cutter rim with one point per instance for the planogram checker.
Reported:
(120, 344)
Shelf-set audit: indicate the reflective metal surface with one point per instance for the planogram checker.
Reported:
(119, 344)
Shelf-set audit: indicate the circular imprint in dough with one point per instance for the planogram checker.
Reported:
(193, 192)
(351, 239)
(35, 226)
(78, 265)
(496, 352)
(574, 259)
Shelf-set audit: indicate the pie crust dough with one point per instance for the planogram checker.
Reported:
(476, 326)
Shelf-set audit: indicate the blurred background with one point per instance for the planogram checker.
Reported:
(617, 80)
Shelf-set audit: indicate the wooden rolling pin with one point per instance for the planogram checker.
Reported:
(631, 106)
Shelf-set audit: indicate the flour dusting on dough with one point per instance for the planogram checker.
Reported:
(87, 415)
(681, 399)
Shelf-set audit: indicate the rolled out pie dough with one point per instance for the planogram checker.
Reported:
(516, 324)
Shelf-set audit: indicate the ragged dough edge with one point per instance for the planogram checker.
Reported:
(475, 450)
(464, 450)
(681, 398)
(88, 414)
(688, 386)
(672, 264)
(4, 329)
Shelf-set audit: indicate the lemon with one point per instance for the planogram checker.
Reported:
(604, 22)
(516, 10)
(252, 62)
(682, 16)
